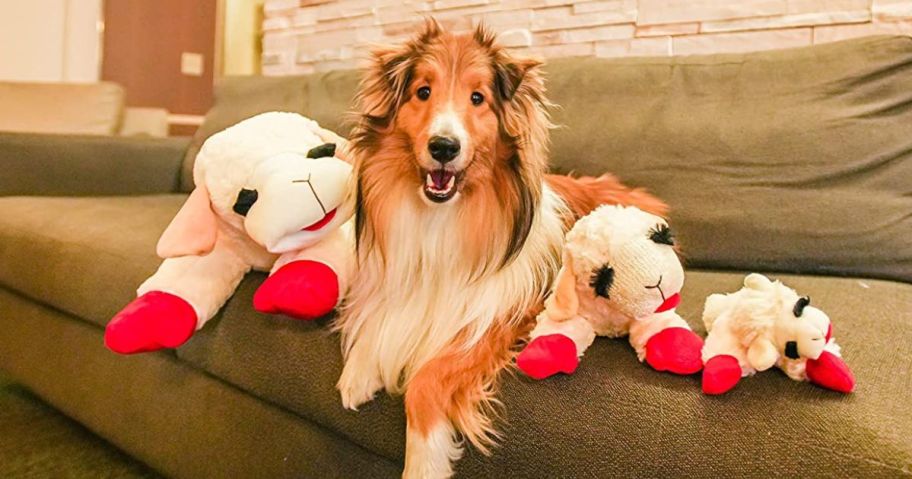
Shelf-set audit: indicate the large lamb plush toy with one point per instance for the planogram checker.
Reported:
(767, 324)
(620, 276)
(271, 195)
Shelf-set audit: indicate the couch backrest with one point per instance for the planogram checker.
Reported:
(795, 160)
(64, 108)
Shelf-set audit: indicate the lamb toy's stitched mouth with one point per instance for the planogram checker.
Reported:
(323, 222)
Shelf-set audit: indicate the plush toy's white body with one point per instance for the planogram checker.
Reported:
(767, 324)
(620, 277)
(260, 203)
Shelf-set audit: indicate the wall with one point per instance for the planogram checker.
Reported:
(241, 45)
(145, 43)
(302, 36)
(49, 40)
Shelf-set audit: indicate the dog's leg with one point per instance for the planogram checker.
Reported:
(450, 394)
(360, 379)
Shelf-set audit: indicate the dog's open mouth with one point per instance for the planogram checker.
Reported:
(323, 222)
(440, 185)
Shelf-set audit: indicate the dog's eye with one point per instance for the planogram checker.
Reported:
(601, 280)
(661, 234)
(424, 93)
(477, 98)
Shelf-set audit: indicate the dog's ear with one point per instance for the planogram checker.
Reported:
(563, 303)
(391, 67)
(510, 73)
(194, 229)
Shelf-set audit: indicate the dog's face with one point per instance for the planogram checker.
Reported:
(461, 107)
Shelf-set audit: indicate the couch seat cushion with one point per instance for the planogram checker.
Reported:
(85, 256)
(615, 416)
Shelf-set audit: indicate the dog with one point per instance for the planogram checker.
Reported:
(459, 232)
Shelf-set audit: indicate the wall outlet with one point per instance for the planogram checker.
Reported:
(192, 64)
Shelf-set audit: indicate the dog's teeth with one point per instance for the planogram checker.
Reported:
(450, 183)
(429, 181)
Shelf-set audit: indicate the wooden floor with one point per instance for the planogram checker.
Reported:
(36, 441)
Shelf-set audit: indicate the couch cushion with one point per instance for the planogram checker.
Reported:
(808, 149)
(655, 424)
(85, 256)
(70, 108)
(793, 160)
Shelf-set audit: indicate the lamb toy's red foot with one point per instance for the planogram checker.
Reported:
(548, 355)
(301, 289)
(720, 374)
(676, 350)
(153, 321)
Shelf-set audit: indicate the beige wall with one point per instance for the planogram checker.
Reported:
(302, 36)
(49, 40)
(241, 46)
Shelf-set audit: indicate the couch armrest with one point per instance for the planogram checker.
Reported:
(71, 165)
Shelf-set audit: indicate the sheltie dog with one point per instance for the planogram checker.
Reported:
(459, 232)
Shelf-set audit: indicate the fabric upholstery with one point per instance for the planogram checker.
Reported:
(182, 422)
(616, 416)
(67, 108)
(85, 256)
(794, 160)
(38, 164)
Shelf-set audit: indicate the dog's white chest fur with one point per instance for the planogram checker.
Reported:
(400, 314)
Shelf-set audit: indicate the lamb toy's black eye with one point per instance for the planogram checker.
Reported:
(245, 200)
(661, 234)
(322, 151)
(601, 280)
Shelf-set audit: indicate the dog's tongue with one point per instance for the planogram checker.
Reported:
(441, 178)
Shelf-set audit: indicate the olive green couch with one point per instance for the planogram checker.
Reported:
(797, 163)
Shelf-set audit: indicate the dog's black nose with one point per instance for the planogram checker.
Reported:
(791, 350)
(443, 149)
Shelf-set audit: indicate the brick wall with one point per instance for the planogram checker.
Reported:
(302, 36)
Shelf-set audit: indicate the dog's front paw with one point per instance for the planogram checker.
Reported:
(356, 390)
(300, 289)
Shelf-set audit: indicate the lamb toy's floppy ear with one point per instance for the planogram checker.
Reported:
(193, 230)
(563, 302)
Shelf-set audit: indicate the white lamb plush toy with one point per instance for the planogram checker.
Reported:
(271, 195)
(620, 276)
(767, 324)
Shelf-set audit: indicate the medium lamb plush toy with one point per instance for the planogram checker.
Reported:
(620, 276)
(271, 195)
(767, 324)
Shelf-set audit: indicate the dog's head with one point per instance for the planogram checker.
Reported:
(458, 104)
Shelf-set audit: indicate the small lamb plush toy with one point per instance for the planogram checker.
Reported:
(620, 276)
(767, 324)
(272, 194)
